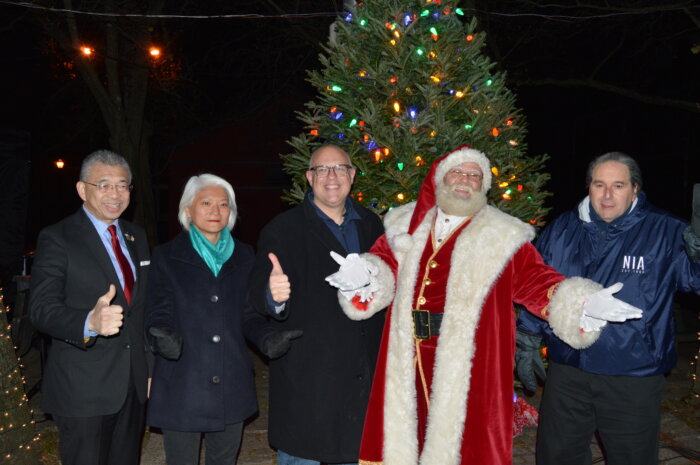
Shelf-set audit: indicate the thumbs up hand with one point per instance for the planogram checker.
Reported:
(106, 319)
(279, 282)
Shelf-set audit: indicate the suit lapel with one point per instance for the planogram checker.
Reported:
(321, 231)
(363, 230)
(96, 248)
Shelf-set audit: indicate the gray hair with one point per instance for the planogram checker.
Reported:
(619, 157)
(325, 146)
(105, 157)
(196, 184)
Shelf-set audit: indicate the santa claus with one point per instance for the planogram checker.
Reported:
(450, 267)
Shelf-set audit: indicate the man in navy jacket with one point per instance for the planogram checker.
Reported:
(613, 387)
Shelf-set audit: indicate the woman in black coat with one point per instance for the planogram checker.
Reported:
(197, 320)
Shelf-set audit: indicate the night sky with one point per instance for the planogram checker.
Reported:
(235, 69)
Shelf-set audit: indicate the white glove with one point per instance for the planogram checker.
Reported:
(365, 293)
(589, 324)
(603, 306)
(354, 272)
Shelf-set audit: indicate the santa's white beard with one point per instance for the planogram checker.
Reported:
(459, 206)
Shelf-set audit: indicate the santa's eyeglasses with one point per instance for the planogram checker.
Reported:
(470, 175)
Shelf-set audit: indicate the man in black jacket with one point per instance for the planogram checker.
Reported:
(319, 389)
(87, 292)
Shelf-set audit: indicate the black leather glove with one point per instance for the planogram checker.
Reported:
(691, 235)
(168, 343)
(278, 343)
(528, 361)
(695, 222)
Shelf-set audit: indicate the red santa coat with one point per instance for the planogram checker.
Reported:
(467, 371)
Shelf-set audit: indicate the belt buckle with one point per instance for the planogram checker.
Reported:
(421, 324)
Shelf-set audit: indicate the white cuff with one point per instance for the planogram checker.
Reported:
(566, 308)
(381, 298)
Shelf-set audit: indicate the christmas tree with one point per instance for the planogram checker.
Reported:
(18, 435)
(402, 83)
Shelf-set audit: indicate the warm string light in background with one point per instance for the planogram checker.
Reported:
(154, 52)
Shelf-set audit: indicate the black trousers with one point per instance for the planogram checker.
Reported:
(103, 440)
(221, 447)
(624, 410)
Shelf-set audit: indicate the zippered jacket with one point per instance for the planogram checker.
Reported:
(645, 252)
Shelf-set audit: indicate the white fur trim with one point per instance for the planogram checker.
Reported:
(467, 289)
(381, 299)
(565, 311)
(396, 223)
(465, 156)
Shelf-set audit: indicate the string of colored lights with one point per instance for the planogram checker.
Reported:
(407, 113)
(645, 11)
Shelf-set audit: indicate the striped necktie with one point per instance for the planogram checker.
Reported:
(127, 274)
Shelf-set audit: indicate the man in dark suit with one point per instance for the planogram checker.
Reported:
(320, 388)
(87, 292)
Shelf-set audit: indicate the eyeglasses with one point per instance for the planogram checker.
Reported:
(322, 170)
(471, 175)
(120, 187)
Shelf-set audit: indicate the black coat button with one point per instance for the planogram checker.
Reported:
(215, 379)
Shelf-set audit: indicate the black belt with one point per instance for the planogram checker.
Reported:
(426, 324)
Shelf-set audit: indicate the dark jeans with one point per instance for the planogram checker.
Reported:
(284, 458)
(221, 447)
(625, 410)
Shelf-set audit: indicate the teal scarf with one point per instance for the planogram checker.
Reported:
(214, 255)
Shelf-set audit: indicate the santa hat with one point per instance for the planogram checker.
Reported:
(426, 197)
(464, 154)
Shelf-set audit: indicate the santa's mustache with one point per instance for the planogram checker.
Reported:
(462, 187)
(454, 204)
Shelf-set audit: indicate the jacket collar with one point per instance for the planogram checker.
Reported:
(182, 250)
(636, 211)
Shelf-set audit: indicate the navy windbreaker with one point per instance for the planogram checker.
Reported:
(645, 252)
